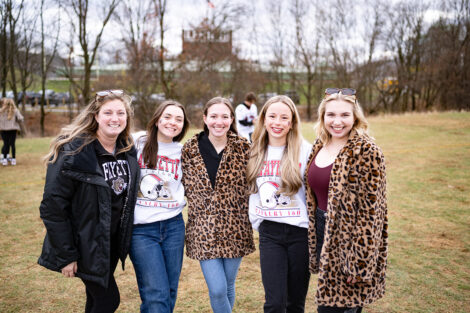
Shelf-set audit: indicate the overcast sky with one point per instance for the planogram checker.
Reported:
(182, 13)
(253, 38)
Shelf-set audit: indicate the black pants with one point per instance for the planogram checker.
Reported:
(320, 217)
(9, 139)
(100, 299)
(284, 266)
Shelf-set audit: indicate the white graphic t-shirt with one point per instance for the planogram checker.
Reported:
(267, 203)
(161, 194)
(243, 113)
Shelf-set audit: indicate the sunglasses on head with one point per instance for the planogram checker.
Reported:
(344, 91)
(104, 93)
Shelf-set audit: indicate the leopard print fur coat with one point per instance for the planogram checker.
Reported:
(355, 242)
(218, 224)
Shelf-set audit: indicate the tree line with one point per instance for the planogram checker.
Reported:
(405, 55)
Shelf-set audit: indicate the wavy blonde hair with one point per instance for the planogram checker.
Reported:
(85, 127)
(8, 105)
(360, 126)
(291, 178)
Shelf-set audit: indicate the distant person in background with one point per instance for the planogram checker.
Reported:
(157, 246)
(347, 207)
(218, 233)
(246, 115)
(89, 198)
(10, 120)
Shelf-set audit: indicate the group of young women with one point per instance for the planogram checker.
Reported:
(319, 209)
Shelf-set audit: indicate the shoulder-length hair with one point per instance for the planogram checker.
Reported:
(85, 127)
(9, 106)
(360, 126)
(218, 100)
(291, 179)
(150, 150)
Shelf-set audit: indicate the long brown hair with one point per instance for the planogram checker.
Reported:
(150, 150)
(85, 126)
(291, 179)
(218, 100)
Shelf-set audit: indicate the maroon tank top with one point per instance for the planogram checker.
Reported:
(319, 179)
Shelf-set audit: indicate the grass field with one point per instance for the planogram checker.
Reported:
(428, 172)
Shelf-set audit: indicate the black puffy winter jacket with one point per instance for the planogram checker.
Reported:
(76, 210)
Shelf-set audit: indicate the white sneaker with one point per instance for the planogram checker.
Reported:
(5, 162)
(13, 161)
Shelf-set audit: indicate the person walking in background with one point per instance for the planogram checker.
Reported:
(347, 207)
(10, 120)
(218, 232)
(89, 198)
(278, 206)
(246, 115)
(158, 236)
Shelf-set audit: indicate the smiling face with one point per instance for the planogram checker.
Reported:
(170, 123)
(278, 122)
(338, 119)
(111, 119)
(218, 120)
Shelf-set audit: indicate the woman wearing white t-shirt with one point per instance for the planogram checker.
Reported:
(158, 235)
(277, 206)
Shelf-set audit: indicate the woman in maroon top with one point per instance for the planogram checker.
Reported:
(347, 207)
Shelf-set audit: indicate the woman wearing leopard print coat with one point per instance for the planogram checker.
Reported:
(218, 232)
(346, 198)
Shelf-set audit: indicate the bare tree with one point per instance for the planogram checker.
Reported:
(13, 10)
(27, 63)
(277, 40)
(79, 16)
(308, 53)
(166, 76)
(406, 41)
(367, 68)
(202, 67)
(450, 35)
(3, 46)
(46, 59)
(352, 47)
(245, 76)
(339, 32)
(199, 76)
(140, 27)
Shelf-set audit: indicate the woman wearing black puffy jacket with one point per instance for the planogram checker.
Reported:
(89, 198)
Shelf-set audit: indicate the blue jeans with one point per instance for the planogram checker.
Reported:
(220, 275)
(157, 254)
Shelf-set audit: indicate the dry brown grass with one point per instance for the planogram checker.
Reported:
(428, 169)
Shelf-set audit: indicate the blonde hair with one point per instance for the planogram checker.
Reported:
(291, 178)
(9, 106)
(360, 126)
(85, 126)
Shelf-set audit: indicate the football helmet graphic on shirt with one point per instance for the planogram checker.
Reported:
(270, 198)
(152, 187)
